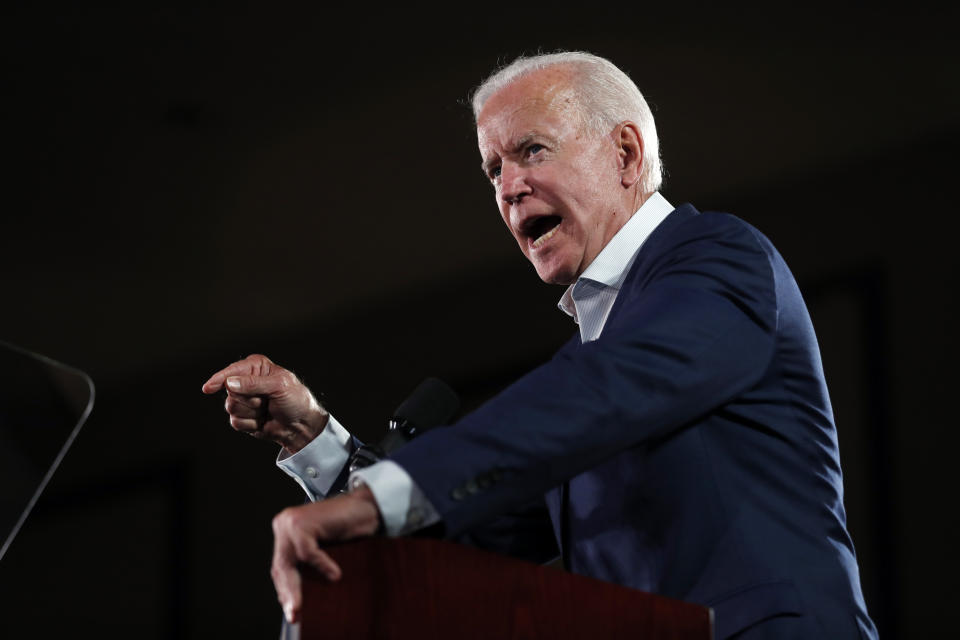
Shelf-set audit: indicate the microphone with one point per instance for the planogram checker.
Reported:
(431, 404)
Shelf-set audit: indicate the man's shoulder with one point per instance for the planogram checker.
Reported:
(686, 225)
(706, 247)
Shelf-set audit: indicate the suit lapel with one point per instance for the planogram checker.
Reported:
(651, 250)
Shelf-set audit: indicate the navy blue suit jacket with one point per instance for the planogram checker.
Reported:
(689, 451)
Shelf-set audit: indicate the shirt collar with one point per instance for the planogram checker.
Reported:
(612, 264)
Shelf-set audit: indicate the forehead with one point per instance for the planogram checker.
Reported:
(541, 102)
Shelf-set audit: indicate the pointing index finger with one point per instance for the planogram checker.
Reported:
(215, 383)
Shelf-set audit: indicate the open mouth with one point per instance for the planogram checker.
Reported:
(539, 230)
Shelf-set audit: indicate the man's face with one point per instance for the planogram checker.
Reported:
(557, 186)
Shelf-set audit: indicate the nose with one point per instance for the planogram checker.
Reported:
(513, 183)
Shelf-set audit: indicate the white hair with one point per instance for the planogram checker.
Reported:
(607, 97)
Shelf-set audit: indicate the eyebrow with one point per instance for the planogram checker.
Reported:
(486, 165)
(521, 142)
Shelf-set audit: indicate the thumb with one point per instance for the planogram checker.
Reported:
(254, 385)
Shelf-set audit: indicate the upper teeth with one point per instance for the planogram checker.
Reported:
(549, 234)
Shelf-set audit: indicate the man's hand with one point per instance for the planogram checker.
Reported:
(297, 530)
(267, 401)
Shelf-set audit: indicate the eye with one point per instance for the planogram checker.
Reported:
(534, 149)
(494, 173)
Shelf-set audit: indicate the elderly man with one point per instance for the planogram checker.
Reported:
(683, 439)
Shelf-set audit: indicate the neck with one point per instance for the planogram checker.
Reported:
(639, 198)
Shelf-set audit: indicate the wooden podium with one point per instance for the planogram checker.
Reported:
(415, 588)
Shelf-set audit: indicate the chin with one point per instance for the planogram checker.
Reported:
(553, 275)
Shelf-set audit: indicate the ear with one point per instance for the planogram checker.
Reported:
(629, 153)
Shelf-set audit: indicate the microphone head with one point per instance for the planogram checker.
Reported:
(432, 403)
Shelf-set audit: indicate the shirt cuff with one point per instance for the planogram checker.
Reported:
(317, 465)
(403, 507)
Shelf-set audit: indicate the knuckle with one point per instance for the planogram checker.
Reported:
(245, 425)
(284, 520)
(263, 362)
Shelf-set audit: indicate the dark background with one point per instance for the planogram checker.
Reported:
(188, 185)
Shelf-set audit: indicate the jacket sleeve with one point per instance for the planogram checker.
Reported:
(524, 532)
(693, 327)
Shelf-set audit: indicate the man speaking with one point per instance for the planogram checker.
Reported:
(681, 443)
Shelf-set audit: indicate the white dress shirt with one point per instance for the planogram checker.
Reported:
(317, 465)
(403, 506)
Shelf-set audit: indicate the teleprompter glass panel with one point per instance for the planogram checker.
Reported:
(43, 404)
